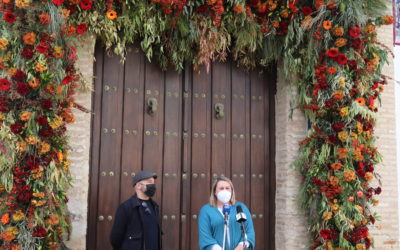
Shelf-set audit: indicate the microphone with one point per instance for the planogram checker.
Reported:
(240, 216)
(226, 209)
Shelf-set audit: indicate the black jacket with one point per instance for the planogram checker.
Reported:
(127, 232)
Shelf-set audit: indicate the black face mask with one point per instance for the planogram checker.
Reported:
(150, 190)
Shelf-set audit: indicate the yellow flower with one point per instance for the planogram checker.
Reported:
(367, 135)
(44, 148)
(56, 123)
(354, 135)
(37, 172)
(344, 111)
(21, 145)
(19, 215)
(358, 155)
(66, 165)
(40, 66)
(360, 246)
(376, 203)
(360, 208)
(11, 71)
(3, 43)
(335, 208)
(342, 81)
(2, 116)
(25, 115)
(38, 203)
(38, 195)
(349, 175)
(32, 140)
(327, 215)
(359, 128)
(369, 176)
(343, 136)
(22, 3)
(13, 230)
(65, 13)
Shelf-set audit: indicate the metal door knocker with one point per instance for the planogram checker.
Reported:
(152, 106)
(219, 111)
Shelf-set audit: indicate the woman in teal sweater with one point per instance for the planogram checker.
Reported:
(211, 220)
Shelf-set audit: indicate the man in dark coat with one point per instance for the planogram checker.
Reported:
(137, 220)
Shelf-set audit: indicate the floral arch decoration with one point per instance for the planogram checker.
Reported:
(329, 49)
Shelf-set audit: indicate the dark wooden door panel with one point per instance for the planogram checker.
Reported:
(110, 151)
(201, 128)
(132, 121)
(172, 160)
(184, 142)
(257, 155)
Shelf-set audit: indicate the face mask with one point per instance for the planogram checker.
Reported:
(150, 190)
(224, 196)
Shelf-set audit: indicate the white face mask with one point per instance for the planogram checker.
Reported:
(224, 196)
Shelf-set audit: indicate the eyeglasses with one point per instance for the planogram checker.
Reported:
(146, 208)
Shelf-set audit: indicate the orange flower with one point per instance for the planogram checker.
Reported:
(338, 31)
(331, 4)
(5, 219)
(360, 101)
(338, 95)
(44, 18)
(369, 176)
(334, 181)
(349, 175)
(327, 25)
(238, 8)
(342, 153)
(29, 38)
(34, 83)
(331, 70)
(271, 5)
(336, 166)
(25, 115)
(340, 42)
(44, 148)
(40, 67)
(369, 29)
(60, 156)
(319, 3)
(111, 14)
(285, 13)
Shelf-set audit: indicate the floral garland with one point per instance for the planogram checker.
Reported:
(329, 49)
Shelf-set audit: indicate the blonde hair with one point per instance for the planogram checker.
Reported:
(213, 198)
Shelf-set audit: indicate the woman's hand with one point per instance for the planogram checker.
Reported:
(239, 247)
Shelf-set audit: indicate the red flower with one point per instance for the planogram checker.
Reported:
(66, 80)
(372, 219)
(356, 43)
(72, 9)
(86, 4)
(47, 104)
(353, 64)
(332, 53)
(355, 32)
(202, 8)
(318, 182)
(378, 190)
(28, 52)
(41, 48)
(58, 2)
(4, 84)
(329, 103)
(72, 53)
(81, 28)
(46, 132)
(337, 127)
(9, 17)
(42, 120)
(327, 234)
(4, 105)
(19, 75)
(39, 231)
(306, 10)
(22, 88)
(361, 173)
(341, 59)
(16, 128)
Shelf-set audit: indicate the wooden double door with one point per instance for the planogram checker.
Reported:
(189, 128)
